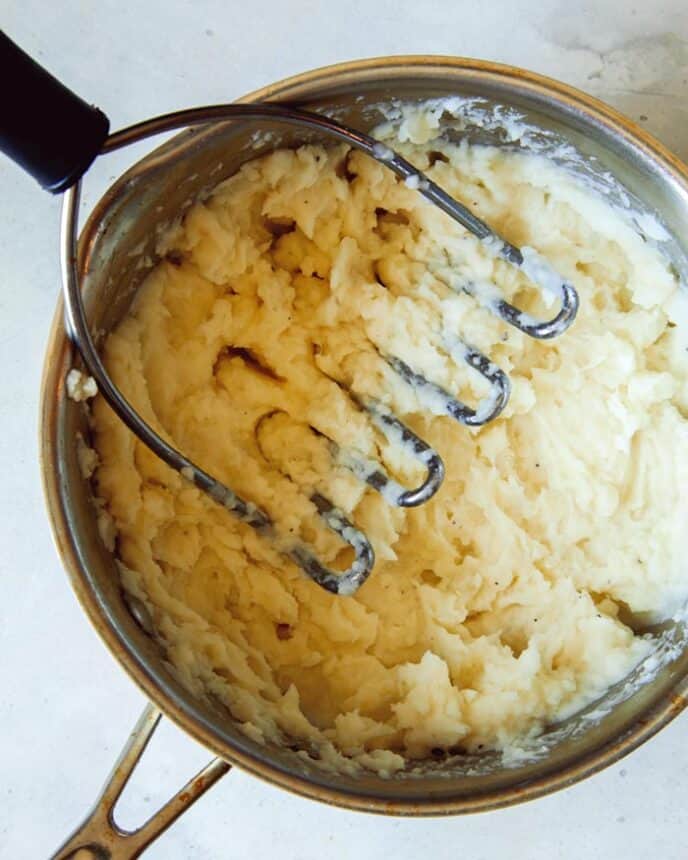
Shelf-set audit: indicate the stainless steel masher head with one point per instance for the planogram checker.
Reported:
(55, 136)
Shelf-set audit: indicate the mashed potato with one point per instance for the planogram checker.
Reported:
(501, 605)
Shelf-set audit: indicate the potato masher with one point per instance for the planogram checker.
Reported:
(55, 136)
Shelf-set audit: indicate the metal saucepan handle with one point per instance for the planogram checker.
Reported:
(46, 128)
(99, 837)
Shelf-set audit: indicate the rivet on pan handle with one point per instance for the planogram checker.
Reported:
(100, 837)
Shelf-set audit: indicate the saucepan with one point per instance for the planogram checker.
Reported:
(115, 252)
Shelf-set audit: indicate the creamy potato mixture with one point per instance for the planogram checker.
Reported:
(507, 601)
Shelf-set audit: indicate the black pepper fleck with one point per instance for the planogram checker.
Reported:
(284, 631)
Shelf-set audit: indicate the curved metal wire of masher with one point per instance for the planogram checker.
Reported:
(348, 581)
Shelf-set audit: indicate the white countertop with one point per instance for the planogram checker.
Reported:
(65, 705)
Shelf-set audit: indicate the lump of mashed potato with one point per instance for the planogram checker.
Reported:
(501, 605)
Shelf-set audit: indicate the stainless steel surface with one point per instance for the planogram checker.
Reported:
(116, 251)
(338, 582)
(100, 837)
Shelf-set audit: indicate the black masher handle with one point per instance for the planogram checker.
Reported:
(44, 127)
